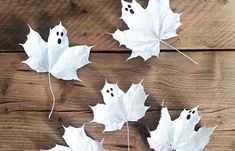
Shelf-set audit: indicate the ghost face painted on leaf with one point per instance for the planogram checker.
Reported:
(147, 27)
(55, 56)
(57, 43)
(120, 107)
(180, 134)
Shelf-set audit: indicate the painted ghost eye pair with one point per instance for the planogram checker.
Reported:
(62, 34)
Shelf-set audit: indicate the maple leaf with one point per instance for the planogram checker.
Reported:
(120, 107)
(77, 140)
(147, 27)
(55, 56)
(180, 134)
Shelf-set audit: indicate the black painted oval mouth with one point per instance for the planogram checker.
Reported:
(59, 41)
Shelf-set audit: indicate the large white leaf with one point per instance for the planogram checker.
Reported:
(77, 140)
(120, 107)
(147, 27)
(180, 134)
(55, 56)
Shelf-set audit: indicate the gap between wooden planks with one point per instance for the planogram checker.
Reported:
(207, 24)
(25, 99)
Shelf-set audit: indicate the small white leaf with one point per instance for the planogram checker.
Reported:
(55, 56)
(179, 135)
(147, 27)
(77, 140)
(120, 107)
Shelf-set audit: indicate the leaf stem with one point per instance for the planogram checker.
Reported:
(179, 51)
(128, 136)
(53, 96)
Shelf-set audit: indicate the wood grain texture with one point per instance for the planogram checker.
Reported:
(30, 131)
(33, 131)
(25, 99)
(207, 24)
(208, 34)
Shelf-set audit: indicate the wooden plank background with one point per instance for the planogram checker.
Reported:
(207, 35)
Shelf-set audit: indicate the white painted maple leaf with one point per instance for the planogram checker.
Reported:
(55, 56)
(120, 107)
(180, 134)
(77, 140)
(147, 27)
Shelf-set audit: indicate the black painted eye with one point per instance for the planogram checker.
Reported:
(62, 34)
(126, 9)
(129, 6)
(57, 33)
(193, 112)
(111, 89)
(107, 91)
(190, 111)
